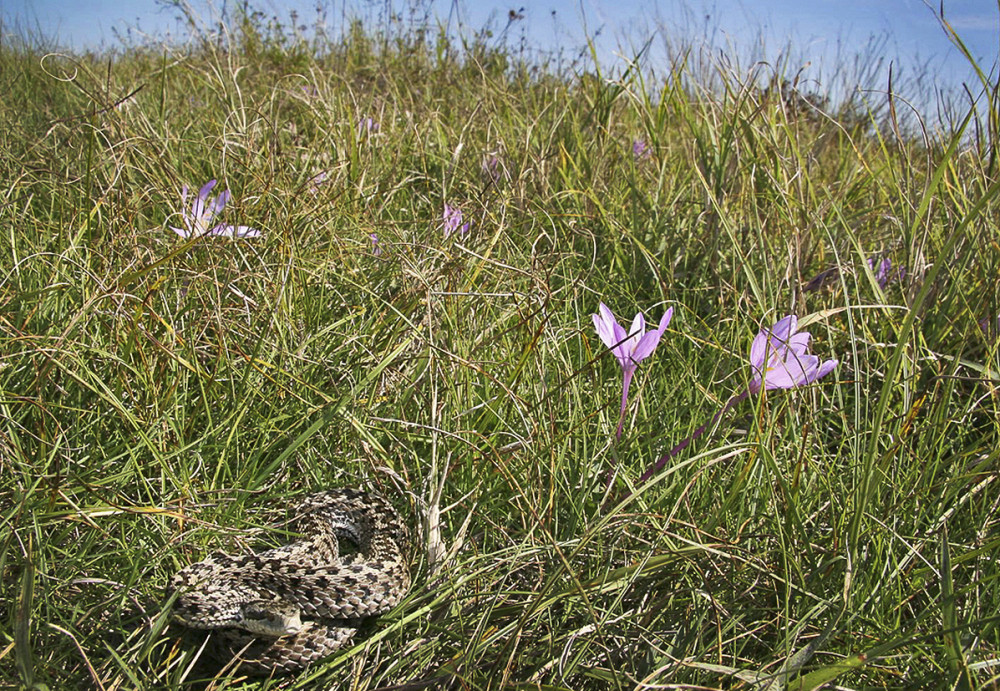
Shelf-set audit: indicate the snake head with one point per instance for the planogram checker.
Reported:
(270, 618)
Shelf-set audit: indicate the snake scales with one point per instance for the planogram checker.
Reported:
(284, 608)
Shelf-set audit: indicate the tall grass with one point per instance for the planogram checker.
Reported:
(162, 398)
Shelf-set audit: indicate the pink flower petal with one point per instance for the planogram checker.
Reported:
(758, 349)
(205, 189)
(665, 319)
(605, 324)
(780, 358)
(219, 204)
(647, 344)
(784, 327)
(824, 370)
(634, 335)
(799, 343)
(787, 374)
(227, 231)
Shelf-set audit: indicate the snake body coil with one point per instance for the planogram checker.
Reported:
(282, 609)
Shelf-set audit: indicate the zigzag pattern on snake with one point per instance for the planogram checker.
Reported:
(282, 609)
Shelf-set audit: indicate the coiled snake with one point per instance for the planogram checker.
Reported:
(282, 609)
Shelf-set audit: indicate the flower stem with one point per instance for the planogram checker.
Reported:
(694, 435)
(626, 380)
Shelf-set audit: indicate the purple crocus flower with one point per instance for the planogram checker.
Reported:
(882, 275)
(780, 359)
(630, 347)
(453, 221)
(640, 150)
(317, 181)
(376, 247)
(367, 126)
(203, 210)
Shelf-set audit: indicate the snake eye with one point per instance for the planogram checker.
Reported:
(256, 614)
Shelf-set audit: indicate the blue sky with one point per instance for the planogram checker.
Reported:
(821, 32)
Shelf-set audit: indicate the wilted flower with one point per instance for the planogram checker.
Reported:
(640, 150)
(453, 221)
(630, 348)
(780, 359)
(376, 247)
(203, 210)
(821, 279)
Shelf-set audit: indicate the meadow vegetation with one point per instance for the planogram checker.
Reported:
(163, 397)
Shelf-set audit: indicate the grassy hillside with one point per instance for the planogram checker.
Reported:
(163, 397)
